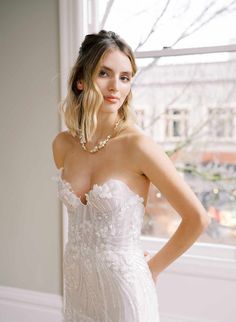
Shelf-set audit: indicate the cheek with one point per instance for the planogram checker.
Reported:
(100, 84)
(126, 91)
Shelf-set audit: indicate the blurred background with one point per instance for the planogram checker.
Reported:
(184, 97)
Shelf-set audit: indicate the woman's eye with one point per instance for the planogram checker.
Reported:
(125, 78)
(102, 73)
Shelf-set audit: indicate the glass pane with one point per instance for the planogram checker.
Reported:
(153, 25)
(188, 105)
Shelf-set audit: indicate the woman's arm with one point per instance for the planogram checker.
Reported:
(159, 169)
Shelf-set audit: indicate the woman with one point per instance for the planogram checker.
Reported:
(106, 164)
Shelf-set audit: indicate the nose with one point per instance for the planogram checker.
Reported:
(114, 84)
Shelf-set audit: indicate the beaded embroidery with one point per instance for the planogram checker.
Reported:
(106, 276)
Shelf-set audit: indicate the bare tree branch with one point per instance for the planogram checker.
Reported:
(193, 136)
(195, 25)
(154, 120)
(186, 8)
(154, 25)
(205, 175)
(230, 93)
(106, 14)
(141, 70)
(168, 105)
(188, 140)
(185, 87)
(138, 13)
(198, 18)
(188, 31)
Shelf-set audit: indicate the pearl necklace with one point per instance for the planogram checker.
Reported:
(100, 145)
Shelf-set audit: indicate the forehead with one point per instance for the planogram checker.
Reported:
(117, 61)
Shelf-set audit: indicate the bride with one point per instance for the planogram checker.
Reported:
(105, 162)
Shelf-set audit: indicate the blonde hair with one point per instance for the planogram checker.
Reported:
(80, 107)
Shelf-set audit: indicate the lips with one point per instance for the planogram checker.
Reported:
(111, 99)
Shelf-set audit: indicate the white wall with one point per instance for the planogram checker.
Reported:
(30, 229)
(197, 298)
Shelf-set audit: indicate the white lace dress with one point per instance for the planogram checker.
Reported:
(106, 276)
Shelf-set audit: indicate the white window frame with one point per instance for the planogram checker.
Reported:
(76, 19)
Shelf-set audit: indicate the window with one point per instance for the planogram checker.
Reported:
(176, 71)
(206, 164)
(140, 114)
(178, 79)
(176, 124)
(222, 123)
(154, 25)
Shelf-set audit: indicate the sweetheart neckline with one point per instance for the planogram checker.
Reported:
(87, 194)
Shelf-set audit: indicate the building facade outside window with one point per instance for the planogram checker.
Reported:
(222, 124)
(176, 124)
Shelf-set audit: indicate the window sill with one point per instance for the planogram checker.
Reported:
(202, 260)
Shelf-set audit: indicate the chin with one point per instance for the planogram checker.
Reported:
(109, 109)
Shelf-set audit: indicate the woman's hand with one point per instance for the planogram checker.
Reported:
(151, 267)
(152, 270)
(146, 255)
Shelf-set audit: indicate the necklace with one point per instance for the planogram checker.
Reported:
(100, 145)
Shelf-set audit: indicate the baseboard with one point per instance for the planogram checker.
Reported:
(177, 318)
(20, 305)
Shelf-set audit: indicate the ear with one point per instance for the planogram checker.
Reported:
(80, 85)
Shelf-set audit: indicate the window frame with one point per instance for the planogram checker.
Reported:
(76, 19)
(202, 259)
(198, 258)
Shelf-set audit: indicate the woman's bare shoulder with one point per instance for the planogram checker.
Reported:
(138, 137)
(60, 145)
(63, 137)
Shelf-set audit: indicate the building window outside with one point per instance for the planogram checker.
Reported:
(140, 114)
(176, 124)
(221, 123)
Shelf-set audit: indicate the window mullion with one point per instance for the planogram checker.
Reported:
(185, 51)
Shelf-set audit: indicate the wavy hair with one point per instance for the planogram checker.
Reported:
(80, 107)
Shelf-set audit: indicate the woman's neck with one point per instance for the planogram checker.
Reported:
(105, 126)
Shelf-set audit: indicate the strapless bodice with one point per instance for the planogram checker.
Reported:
(113, 214)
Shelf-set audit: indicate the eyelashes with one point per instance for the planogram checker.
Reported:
(104, 73)
(125, 78)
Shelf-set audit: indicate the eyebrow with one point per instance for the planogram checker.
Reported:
(124, 72)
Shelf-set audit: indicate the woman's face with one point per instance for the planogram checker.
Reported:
(114, 79)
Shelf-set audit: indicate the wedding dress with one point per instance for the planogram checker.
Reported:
(106, 276)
